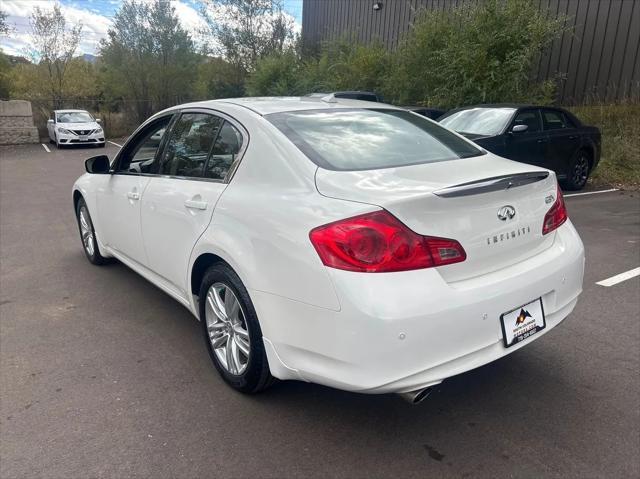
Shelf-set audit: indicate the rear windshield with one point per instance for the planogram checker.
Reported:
(367, 139)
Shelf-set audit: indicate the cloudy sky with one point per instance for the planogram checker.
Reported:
(95, 16)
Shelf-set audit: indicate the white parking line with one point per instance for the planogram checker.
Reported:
(619, 278)
(113, 143)
(46, 148)
(590, 193)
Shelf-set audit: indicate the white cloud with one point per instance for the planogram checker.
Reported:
(188, 16)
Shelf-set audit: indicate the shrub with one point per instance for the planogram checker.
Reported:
(341, 65)
(476, 53)
(620, 128)
(348, 65)
(479, 52)
(277, 74)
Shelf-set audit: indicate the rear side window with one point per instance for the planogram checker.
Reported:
(555, 120)
(367, 139)
(225, 150)
(188, 147)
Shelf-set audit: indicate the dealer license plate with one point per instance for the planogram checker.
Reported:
(522, 322)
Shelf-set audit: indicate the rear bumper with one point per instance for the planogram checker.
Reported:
(399, 332)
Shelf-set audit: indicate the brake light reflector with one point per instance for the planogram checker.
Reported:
(379, 243)
(556, 215)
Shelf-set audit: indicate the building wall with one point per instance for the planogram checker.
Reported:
(598, 59)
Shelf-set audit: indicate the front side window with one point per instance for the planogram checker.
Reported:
(74, 117)
(553, 120)
(479, 121)
(189, 145)
(531, 118)
(367, 139)
(225, 150)
(139, 155)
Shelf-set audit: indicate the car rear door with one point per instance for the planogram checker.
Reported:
(119, 199)
(178, 204)
(530, 145)
(564, 140)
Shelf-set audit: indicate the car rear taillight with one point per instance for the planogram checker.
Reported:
(556, 215)
(379, 243)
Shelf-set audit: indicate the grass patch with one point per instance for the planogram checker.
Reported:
(620, 127)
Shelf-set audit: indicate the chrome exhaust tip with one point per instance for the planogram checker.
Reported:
(414, 397)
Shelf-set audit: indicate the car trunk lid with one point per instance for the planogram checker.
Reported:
(492, 206)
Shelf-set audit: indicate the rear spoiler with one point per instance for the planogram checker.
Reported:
(496, 183)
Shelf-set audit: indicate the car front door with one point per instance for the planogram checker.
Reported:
(190, 176)
(119, 198)
(564, 140)
(527, 146)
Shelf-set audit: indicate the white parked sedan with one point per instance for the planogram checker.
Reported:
(74, 127)
(341, 242)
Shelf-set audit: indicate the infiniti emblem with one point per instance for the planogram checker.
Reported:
(506, 213)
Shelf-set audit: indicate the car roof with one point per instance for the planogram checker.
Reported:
(267, 105)
(505, 105)
(70, 111)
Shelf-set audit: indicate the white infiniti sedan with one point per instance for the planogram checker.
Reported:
(341, 242)
(74, 127)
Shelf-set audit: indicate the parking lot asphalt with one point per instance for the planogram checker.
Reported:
(103, 375)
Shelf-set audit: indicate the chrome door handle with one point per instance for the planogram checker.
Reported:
(196, 205)
(132, 195)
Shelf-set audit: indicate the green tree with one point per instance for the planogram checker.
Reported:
(31, 82)
(52, 47)
(148, 58)
(480, 52)
(217, 78)
(5, 65)
(5, 78)
(247, 30)
(4, 27)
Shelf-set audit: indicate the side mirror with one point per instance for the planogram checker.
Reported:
(99, 121)
(97, 165)
(519, 128)
(50, 122)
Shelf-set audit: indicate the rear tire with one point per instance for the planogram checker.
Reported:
(578, 171)
(238, 329)
(88, 234)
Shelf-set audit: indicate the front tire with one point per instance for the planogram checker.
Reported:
(232, 332)
(88, 234)
(578, 171)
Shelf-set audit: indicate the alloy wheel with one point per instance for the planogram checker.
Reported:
(86, 231)
(581, 171)
(227, 328)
